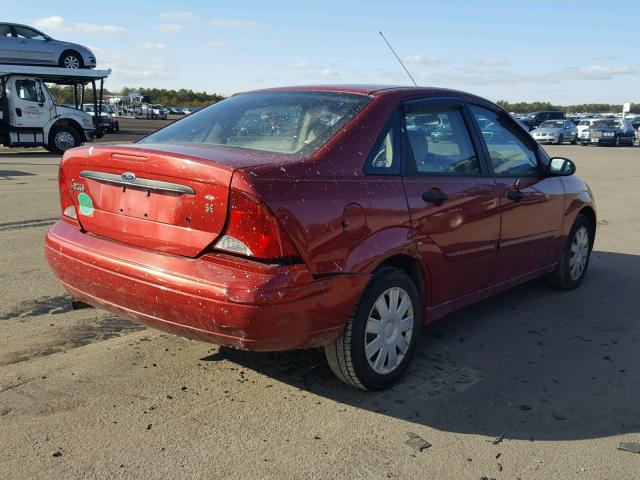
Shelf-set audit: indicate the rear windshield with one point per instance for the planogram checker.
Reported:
(607, 123)
(296, 123)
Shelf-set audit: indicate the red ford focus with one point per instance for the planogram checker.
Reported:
(344, 217)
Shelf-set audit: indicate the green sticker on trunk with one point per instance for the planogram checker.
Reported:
(86, 204)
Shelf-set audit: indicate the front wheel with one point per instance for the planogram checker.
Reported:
(70, 60)
(62, 139)
(574, 259)
(379, 339)
(560, 140)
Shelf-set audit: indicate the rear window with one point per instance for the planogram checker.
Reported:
(607, 123)
(296, 123)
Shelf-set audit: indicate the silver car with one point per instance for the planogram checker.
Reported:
(556, 131)
(20, 44)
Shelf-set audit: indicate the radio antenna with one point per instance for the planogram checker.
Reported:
(396, 55)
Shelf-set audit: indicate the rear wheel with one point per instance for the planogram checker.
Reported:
(63, 138)
(380, 337)
(574, 260)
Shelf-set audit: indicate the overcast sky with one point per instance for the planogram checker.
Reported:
(564, 52)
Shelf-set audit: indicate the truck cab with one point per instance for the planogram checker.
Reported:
(29, 116)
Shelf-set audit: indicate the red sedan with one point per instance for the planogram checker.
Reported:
(320, 216)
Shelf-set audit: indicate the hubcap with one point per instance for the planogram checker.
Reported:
(64, 140)
(389, 329)
(71, 62)
(579, 253)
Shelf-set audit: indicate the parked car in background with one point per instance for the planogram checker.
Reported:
(584, 125)
(534, 119)
(610, 131)
(107, 123)
(186, 111)
(158, 112)
(282, 219)
(635, 124)
(556, 131)
(21, 44)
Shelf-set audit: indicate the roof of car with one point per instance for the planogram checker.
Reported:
(365, 89)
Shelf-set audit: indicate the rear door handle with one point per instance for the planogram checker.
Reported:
(515, 195)
(19, 112)
(434, 197)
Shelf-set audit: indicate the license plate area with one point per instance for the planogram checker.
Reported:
(161, 207)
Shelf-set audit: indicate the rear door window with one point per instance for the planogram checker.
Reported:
(438, 141)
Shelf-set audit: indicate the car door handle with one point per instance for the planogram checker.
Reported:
(515, 195)
(434, 196)
(19, 112)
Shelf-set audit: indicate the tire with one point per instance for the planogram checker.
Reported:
(70, 60)
(560, 139)
(347, 355)
(63, 138)
(575, 140)
(563, 277)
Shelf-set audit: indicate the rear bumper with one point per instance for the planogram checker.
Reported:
(221, 300)
(601, 141)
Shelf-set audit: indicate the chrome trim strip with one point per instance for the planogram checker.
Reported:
(143, 183)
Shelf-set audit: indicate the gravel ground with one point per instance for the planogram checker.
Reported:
(84, 394)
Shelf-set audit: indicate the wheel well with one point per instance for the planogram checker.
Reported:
(75, 52)
(67, 122)
(591, 215)
(410, 266)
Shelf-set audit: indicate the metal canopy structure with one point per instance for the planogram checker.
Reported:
(57, 75)
(77, 78)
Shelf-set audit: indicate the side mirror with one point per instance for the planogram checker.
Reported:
(561, 167)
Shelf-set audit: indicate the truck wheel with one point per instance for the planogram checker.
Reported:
(379, 339)
(62, 139)
(70, 60)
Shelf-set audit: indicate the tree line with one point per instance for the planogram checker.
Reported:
(183, 97)
(188, 98)
(526, 107)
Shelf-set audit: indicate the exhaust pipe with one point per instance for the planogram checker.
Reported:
(78, 305)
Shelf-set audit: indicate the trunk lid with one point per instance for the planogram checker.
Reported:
(161, 197)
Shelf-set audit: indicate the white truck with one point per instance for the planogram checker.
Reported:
(29, 117)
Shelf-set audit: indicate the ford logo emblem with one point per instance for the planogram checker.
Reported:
(128, 177)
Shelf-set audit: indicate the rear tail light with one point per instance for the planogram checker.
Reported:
(67, 207)
(253, 231)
